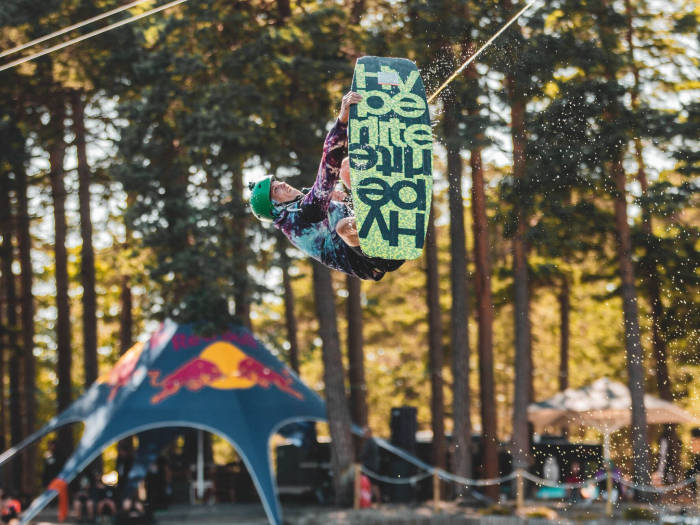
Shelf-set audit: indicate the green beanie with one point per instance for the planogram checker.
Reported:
(260, 201)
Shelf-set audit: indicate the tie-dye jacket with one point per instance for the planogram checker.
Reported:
(310, 221)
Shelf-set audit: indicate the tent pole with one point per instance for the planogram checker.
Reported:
(608, 474)
(606, 445)
(200, 464)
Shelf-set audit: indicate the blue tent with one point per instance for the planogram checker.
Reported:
(228, 384)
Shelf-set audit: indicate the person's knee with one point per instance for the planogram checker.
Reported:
(347, 230)
(343, 227)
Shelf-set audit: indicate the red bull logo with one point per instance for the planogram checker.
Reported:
(193, 375)
(265, 377)
(224, 366)
(122, 371)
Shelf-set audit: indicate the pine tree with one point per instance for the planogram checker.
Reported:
(87, 253)
(435, 349)
(289, 305)
(57, 149)
(459, 319)
(10, 349)
(334, 380)
(27, 367)
(356, 357)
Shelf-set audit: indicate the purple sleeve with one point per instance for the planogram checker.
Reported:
(335, 150)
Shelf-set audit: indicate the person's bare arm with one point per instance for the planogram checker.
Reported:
(350, 98)
(316, 202)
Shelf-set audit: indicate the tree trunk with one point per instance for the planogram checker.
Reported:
(633, 343)
(289, 303)
(435, 351)
(87, 253)
(334, 380)
(10, 349)
(484, 314)
(8, 322)
(8, 307)
(126, 318)
(126, 335)
(652, 279)
(564, 310)
(26, 368)
(126, 299)
(523, 356)
(241, 249)
(356, 356)
(484, 304)
(357, 9)
(459, 320)
(284, 10)
(564, 299)
(57, 151)
(522, 361)
(663, 380)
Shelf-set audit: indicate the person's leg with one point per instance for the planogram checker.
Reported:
(389, 265)
(345, 172)
(347, 229)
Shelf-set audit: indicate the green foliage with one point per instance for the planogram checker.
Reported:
(198, 113)
(191, 103)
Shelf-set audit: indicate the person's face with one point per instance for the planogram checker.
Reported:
(283, 192)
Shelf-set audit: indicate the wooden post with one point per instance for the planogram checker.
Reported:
(609, 487)
(519, 489)
(357, 490)
(697, 489)
(436, 491)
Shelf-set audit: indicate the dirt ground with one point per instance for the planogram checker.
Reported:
(446, 514)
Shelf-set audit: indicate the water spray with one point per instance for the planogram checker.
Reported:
(481, 49)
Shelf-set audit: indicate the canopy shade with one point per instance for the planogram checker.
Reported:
(228, 384)
(605, 405)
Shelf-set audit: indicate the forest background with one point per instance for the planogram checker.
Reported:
(563, 243)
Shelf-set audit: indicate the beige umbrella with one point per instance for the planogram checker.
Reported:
(605, 405)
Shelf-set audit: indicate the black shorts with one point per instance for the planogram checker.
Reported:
(372, 268)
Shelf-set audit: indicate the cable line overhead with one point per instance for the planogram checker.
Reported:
(90, 35)
(72, 27)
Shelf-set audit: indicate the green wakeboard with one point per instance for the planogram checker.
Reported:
(390, 149)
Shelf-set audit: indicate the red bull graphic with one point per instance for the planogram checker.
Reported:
(193, 375)
(265, 377)
(224, 366)
(122, 371)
